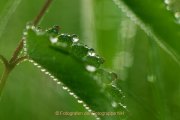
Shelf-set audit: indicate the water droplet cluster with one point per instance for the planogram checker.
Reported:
(173, 6)
(64, 88)
(69, 44)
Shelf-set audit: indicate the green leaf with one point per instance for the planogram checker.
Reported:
(77, 67)
(157, 21)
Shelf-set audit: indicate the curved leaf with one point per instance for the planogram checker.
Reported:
(77, 67)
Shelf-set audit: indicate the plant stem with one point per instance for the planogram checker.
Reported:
(3, 79)
(42, 12)
(4, 60)
(9, 65)
(17, 51)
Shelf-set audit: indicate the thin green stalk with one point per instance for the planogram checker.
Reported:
(3, 79)
(9, 65)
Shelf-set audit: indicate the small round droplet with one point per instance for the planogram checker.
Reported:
(58, 83)
(75, 38)
(167, 1)
(113, 76)
(114, 104)
(43, 70)
(35, 64)
(177, 15)
(71, 93)
(65, 88)
(80, 101)
(90, 68)
(53, 40)
(151, 78)
(91, 52)
(47, 73)
(87, 108)
(25, 33)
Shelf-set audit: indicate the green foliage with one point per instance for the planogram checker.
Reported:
(74, 65)
(142, 49)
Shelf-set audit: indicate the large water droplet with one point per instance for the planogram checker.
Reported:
(90, 68)
(54, 30)
(79, 51)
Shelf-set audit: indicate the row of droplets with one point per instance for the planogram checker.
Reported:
(70, 44)
(25, 33)
(65, 88)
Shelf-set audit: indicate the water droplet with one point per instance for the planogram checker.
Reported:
(55, 79)
(52, 76)
(167, 1)
(151, 78)
(75, 96)
(74, 38)
(79, 50)
(33, 27)
(93, 113)
(65, 88)
(177, 16)
(54, 30)
(90, 68)
(125, 107)
(114, 104)
(53, 40)
(39, 66)
(91, 52)
(43, 70)
(113, 76)
(35, 64)
(87, 108)
(47, 73)
(25, 33)
(80, 101)
(71, 93)
(58, 83)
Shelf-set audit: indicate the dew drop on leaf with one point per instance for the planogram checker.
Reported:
(58, 83)
(65, 88)
(91, 52)
(74, 38)
(53, 39)
(54, 30)
(80, 101)
(114, 104)
(90, 68)
(79, 50)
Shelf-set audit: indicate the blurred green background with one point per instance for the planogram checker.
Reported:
(149, 76)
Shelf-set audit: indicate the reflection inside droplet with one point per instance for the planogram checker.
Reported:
(90, 68)
(53, 40)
